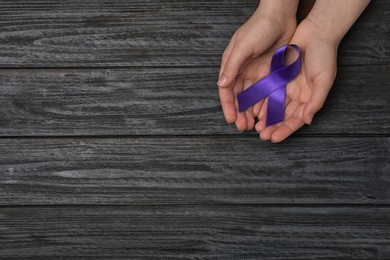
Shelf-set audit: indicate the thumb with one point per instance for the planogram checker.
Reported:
(321, 73)
(230, 69)
(317, 100)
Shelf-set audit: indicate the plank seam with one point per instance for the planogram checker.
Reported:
(194, 136)
(152, 67)
(264, 205)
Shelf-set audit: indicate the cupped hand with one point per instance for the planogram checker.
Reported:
(251, 45)
(306, 93)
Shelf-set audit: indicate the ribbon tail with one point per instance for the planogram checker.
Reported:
(275, 107)
(252, 95)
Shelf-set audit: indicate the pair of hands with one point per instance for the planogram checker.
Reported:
(247, 59)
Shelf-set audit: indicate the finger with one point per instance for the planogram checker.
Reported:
(267, 132)
(235, 60)
(316, 101)
(261, 116)
(227, 99)
(257, 108)
(263, 111)
(289, 126)
(226, 54)
(250, 118)
(241, 122)
(226, 94)
(260, 126)
(290, 109)
(321, 73)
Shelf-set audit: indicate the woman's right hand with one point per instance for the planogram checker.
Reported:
(271, 26)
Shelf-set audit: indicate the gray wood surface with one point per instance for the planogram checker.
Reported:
(193, 232)
(173, 101)
(113, 144)
(202, 170)
(73, 33)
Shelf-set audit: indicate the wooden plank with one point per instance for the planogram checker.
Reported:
(152, 33)
(174, 101)
(373, 47)
(195, 232)
(211, 170)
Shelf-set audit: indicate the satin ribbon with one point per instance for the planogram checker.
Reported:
(272, 86)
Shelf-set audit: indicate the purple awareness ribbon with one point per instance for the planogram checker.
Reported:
(272, 86)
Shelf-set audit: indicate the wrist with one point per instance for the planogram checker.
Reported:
(331, 19)
(278, 14)
(278, 8)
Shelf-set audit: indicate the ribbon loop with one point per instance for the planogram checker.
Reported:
(272, 86)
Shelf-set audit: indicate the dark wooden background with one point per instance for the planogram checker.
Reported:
(113, 143)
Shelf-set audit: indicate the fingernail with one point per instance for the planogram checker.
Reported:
(221, 81)
(309, 119)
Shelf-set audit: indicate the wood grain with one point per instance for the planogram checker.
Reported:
(167, 101)
(192, 232)
(152, 33)
(197, 170)
(113, 144)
